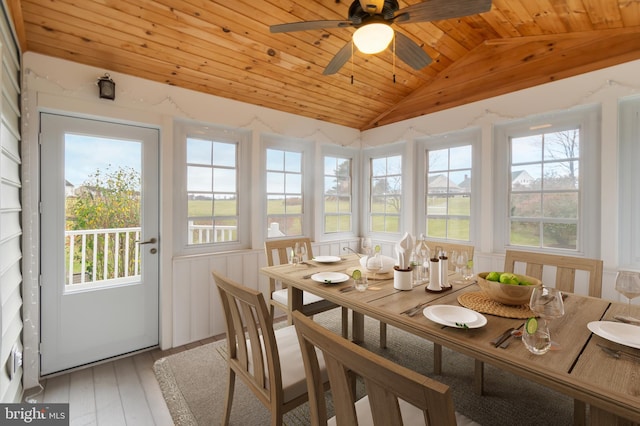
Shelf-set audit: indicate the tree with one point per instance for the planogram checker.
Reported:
(108, 200)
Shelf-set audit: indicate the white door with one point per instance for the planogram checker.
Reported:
(99, 240)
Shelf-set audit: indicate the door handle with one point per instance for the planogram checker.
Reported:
(151, 241)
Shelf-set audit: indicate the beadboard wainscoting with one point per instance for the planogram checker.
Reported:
(197, 313)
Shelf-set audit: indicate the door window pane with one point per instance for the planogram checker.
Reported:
(337, 195)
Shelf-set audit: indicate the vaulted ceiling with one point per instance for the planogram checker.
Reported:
(225, 48)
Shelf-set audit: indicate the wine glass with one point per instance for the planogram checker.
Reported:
(300, 250)
(547, 304)
(460, 260)
(374, 264)
(628, 284)
(366, 245)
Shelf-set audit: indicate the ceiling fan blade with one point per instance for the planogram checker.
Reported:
(340, 59)
(410, 53)
(372, 6)
(308, 25)
(436, 10)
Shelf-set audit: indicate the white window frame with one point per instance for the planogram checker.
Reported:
(242, 137)
(368, 154)
(354, 156)
(449, 140)
(589, 121)
(306, 149)
(628, 178)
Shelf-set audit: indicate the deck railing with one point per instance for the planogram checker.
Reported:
(113, 254)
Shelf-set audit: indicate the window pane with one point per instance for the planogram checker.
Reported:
(560, 235)
(563, 205)
(436, 228)
(526, 205)
(526, 149)
(224, 154)
(525, 234)
(198, 151)
(225, 206)
(200, 205)
(275, 183)
(199, 179)
(224, 180)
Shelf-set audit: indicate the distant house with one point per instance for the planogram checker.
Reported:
(465, 185)
(440, 184)
(521, 178)
(69, 189)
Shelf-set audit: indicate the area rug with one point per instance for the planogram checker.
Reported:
(194, 383)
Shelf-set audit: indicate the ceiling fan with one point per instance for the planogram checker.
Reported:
(364, 14)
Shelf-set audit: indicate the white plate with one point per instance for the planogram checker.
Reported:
(450, 315)
(329, 277)
(327, 259)
(625, 334)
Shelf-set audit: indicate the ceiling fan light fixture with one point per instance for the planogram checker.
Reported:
(373, 38)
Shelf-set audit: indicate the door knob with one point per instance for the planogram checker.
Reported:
(151, 241)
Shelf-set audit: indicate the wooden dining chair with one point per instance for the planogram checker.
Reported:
(395, 395)
(269, 362)
(566, 266)
(277, 252)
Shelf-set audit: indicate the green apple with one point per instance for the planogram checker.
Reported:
(493, 276)
(508, 278)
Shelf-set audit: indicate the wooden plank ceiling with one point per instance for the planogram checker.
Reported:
(225, 48)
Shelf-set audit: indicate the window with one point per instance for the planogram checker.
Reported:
(385, 188)
(213, 190)
(545, 188)
(337, 195)
(448, 196)
(285, 198)
(548, 203)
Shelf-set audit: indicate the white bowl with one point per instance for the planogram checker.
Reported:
(387, 263)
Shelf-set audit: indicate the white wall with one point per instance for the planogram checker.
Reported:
(189, 305)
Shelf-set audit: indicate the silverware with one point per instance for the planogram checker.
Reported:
(347, 289)
(412, 311)
(619, 354)
(305, 277)
(507, 341)
(306, 262)
(501, 338)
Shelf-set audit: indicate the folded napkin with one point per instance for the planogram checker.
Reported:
(404, 247)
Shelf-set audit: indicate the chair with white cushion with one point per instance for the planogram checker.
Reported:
(269, 362)
(277, 252)
(395, 395)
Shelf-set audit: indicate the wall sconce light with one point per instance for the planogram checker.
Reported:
(107, 87)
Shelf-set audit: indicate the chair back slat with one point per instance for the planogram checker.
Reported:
(252, 348)
(385, 381)
(450, 248)
(566, 267)
(277, 252)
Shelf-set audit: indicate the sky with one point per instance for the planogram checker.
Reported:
(84, 155)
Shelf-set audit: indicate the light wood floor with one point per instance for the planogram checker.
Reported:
(120, 392)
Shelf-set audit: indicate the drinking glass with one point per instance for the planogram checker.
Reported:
(628, 284)
(547, 304)
(361, 283)
(374, 264)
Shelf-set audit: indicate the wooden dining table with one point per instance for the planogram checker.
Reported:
(577, 366)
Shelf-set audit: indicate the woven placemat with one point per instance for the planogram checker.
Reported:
(480, 302)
